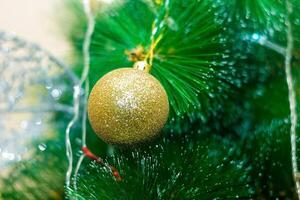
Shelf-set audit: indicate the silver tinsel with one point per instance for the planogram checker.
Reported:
(32, 82)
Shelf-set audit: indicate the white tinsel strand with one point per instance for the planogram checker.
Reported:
(292, 95)
(76, 94)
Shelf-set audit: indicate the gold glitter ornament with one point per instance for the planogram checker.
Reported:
(128, 106)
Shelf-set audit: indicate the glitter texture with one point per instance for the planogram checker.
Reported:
(128, 106)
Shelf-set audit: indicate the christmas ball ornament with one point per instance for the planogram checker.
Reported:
(128, 106)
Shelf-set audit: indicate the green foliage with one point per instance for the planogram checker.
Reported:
(192, 60)
(175, 168)
(260, 16)
(268, 145)
(213, 70)
(39, 177)
(270, 154)
(266, 18)
(218, 79)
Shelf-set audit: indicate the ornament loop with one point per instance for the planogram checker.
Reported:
(142, 65)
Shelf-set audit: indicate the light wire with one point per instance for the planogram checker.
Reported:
(292, 96)
(77, 93)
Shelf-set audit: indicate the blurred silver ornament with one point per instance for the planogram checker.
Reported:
(32, 82)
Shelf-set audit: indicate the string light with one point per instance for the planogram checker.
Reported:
(292, 96)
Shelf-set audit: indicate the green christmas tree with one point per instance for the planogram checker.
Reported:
(230, 71)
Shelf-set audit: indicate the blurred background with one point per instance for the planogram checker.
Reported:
(35, 21)
(30, 89)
